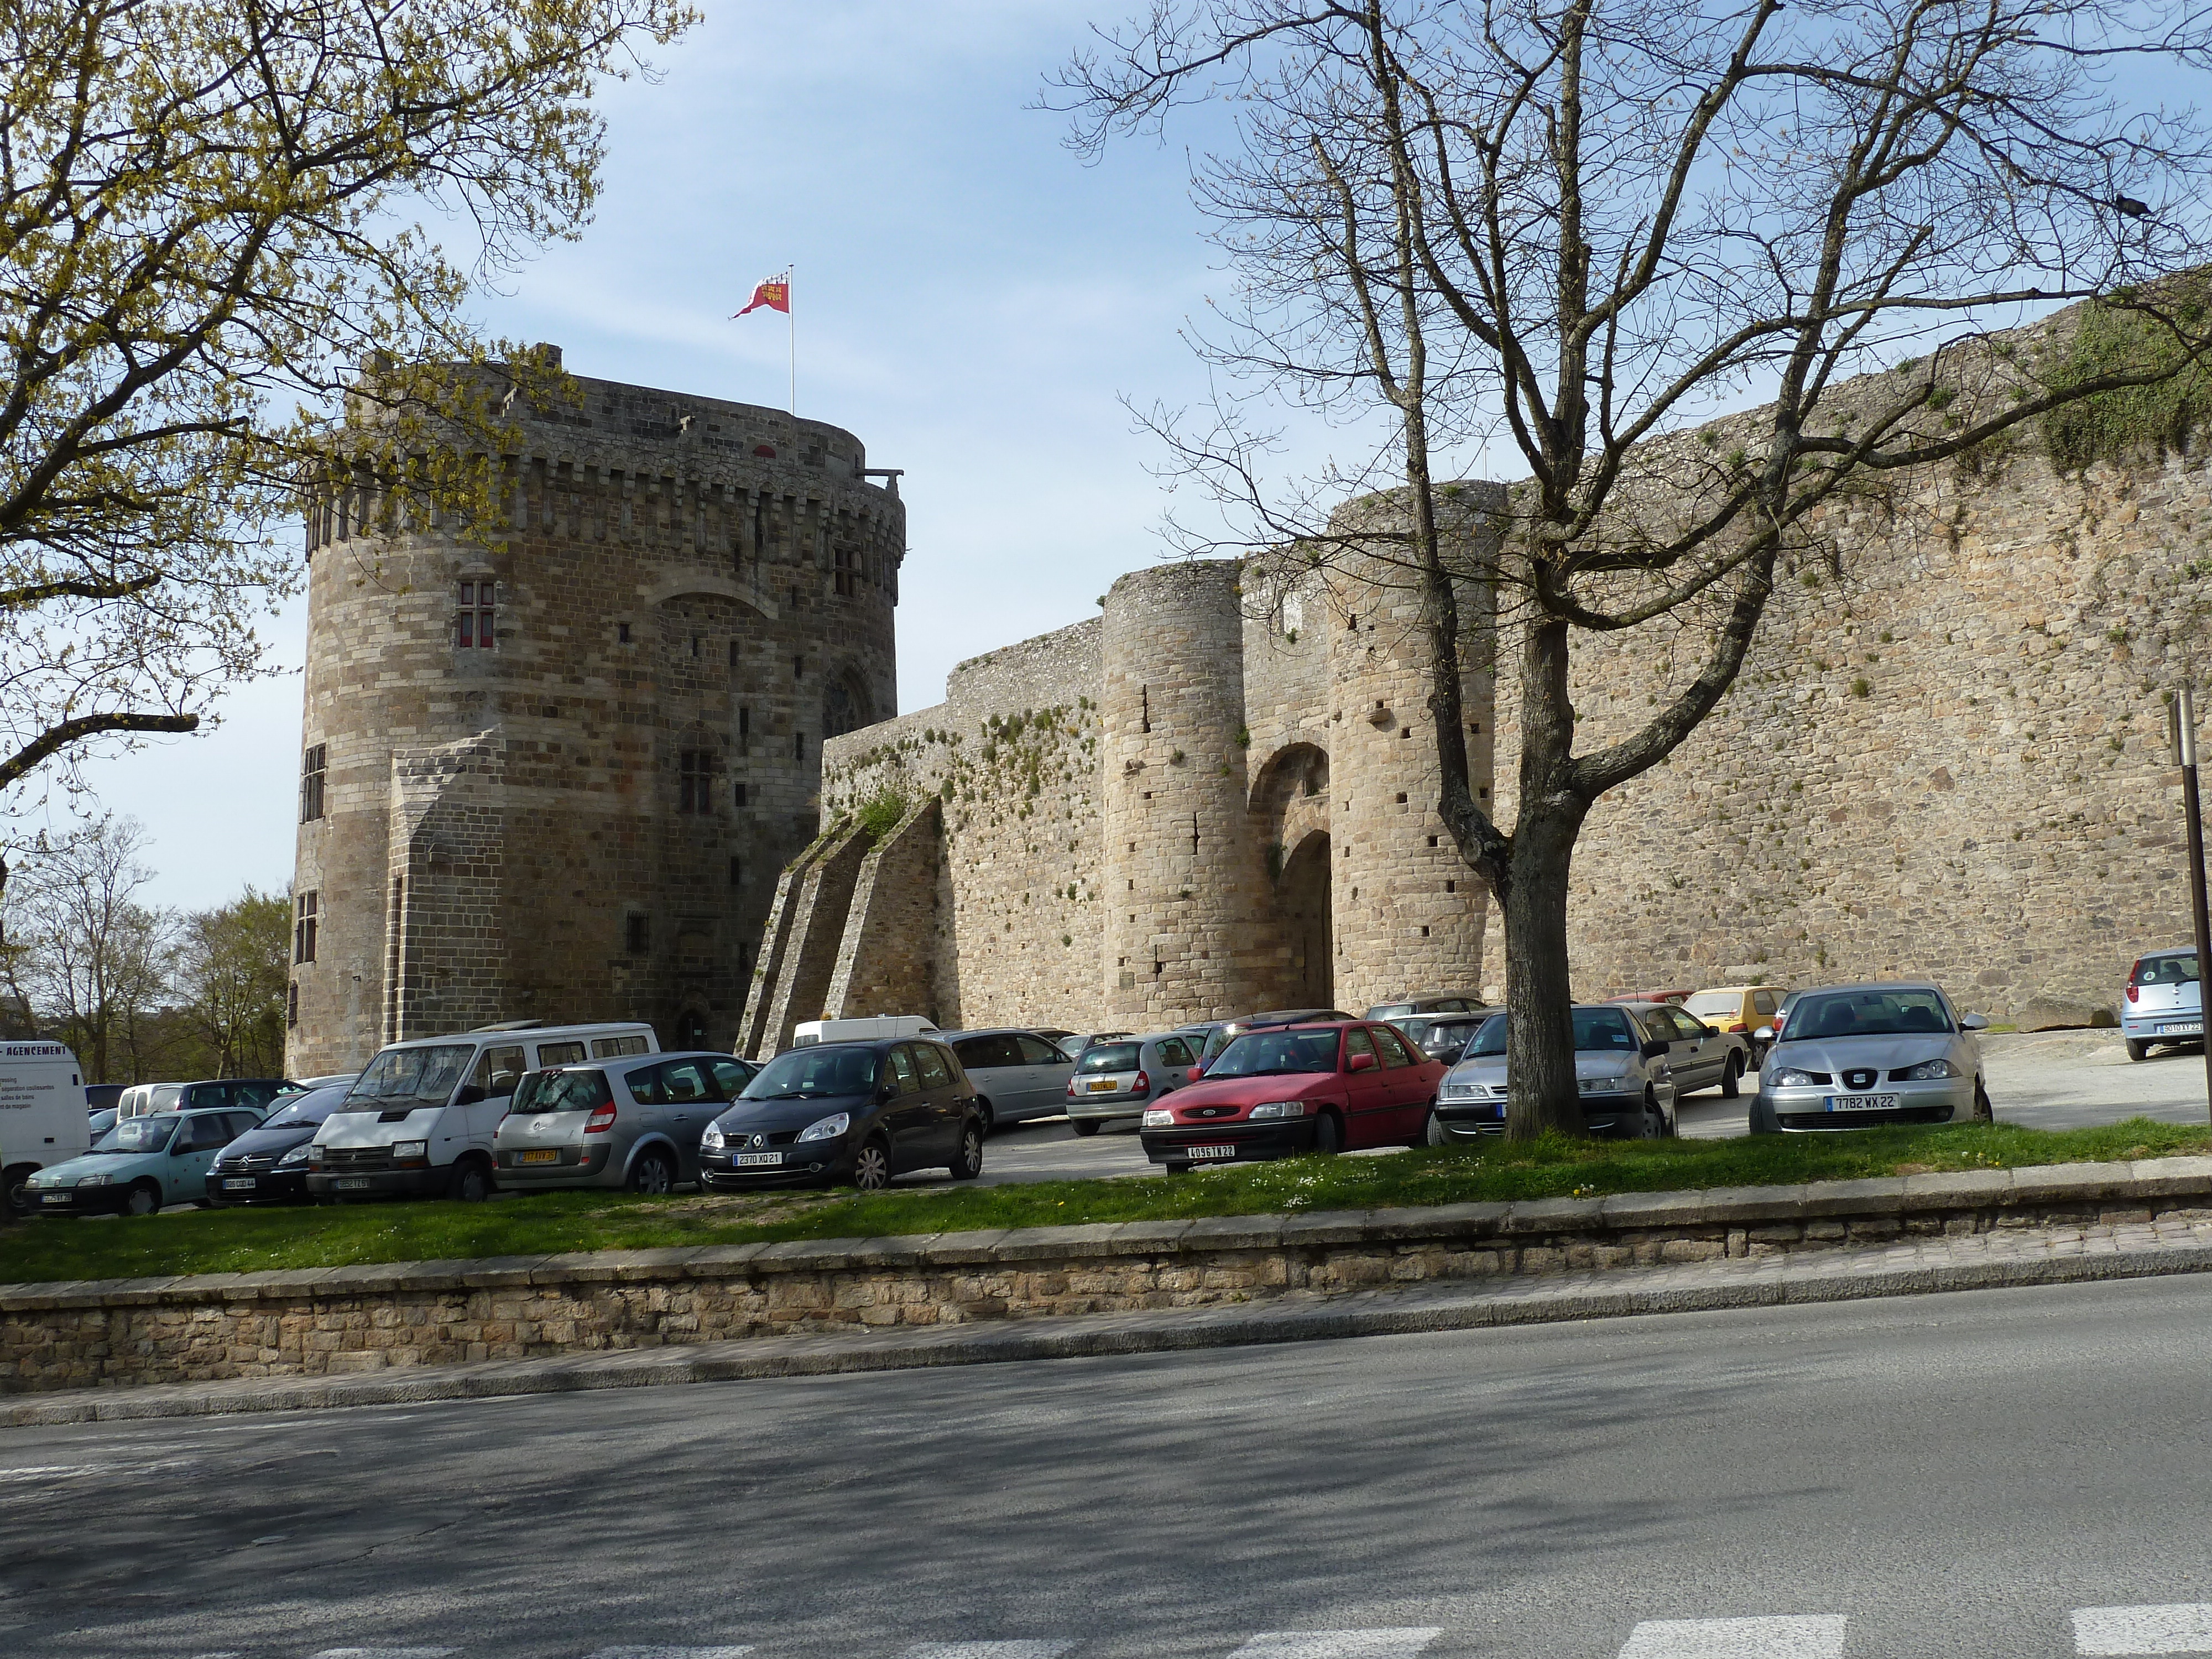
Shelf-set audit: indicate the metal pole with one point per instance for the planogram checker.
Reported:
(791, 317)
(2185, 713)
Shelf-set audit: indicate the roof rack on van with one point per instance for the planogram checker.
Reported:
(510, 1025)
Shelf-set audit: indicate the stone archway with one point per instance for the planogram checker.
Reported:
(1301, 903)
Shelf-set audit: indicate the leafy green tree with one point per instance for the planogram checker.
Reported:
(211, 245)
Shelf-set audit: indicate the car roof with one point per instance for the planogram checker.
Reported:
(1877, 985)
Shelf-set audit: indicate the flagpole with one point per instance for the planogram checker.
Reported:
(791, 317)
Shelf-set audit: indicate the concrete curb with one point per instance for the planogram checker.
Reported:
(1833, 1276)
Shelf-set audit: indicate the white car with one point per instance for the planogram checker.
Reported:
(1852, 1056)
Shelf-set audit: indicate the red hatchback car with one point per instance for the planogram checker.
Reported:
(1298, 1089)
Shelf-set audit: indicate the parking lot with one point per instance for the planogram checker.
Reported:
(2044, 1080)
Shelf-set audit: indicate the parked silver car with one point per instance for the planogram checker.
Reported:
(635, 1125)
(2164, 1001)
(1701, 1056)
(1441, 1036)
(1626, 1086)
(1854, 1055)
(1114, 1081)
(1429, 1002)
(1017, 1074)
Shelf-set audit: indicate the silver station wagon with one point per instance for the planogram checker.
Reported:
(634, 1125)
(1114, 1081)
(1851, 1056)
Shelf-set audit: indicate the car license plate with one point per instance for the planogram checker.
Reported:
(1104, 1087)
(239, 1184)
(756, 1160)
(352, 1183)
(539, 1155)
(2182, 1028)
(58, 1198)
(1863, 1102)
(1209, 1152)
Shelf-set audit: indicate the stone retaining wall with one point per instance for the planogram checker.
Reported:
(321, 1321)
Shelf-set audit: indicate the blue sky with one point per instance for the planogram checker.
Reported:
(972, 300)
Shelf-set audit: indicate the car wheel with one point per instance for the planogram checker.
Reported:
(1653, 1124)
(18, 1183)
(1423, 1135)
(1983, 1112)
(1329, 1135)
(1432, 1130)
(989, 1118)
(469, 1184)
(1731, 1076)
(871, 1167)
(1083, 1126)
(143, 1199)
(651, 1173)
(969, 1164)
(2138, 1051)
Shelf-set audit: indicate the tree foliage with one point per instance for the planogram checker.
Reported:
(211, 223)
(1570, 231)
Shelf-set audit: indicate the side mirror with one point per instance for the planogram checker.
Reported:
(1360, 1063)
(1975, 1022)
(1197, 1071)
(1654, 1049)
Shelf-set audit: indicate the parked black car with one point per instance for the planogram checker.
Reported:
(861, 1112)
(269, 1165)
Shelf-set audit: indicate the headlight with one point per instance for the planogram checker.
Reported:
(1463, 1090)
(406, 1149)
(91, 1180)
(1790, 1077)
(712, 1140)
(1606, 1085)
(1157, 1117)
(297, 1155)
(828, 1128)
(1279, 1108)
(1931, 1070)
(42, 1180)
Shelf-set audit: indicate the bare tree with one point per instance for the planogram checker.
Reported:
(1576, 229)
(211, 221)
(230, 972)
(82, 952)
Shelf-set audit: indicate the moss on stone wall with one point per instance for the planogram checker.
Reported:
(2139, 421)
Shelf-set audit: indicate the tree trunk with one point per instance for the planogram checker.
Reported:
(1539, 1045)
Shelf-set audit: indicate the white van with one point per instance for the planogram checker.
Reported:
(43, 1119)
(868, 1029)
(419, 1120)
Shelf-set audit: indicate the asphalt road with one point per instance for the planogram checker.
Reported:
(1954, 1475)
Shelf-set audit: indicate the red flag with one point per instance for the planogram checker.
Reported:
(775, 293)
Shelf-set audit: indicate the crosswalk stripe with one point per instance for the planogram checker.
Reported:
(670, 1653)
(385, 1653)
(986, 1650)
(1338, 1644)
(1813, 1637)
(2171, 1627)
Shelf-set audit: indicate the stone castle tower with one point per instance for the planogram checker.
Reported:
(1210, 799)
(558, 780)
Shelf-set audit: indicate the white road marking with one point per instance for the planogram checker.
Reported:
(670, 1653)
(2175, 1627)
(986, 1650)
(385, 1653)
(1817, 1637)
(1338, 1643)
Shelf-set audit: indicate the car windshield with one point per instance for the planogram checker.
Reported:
(582, 1091)
(809, 1073)
(1597, 1030)
(1870, 1013)
(1391, 1011)
(1274, 1054)
(1706, 1004)
(141, 1135)
(1109, 1057)
(421, 1077)
(302, 1111)
(2172, 968)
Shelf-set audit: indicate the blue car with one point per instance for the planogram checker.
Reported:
(141, 1165)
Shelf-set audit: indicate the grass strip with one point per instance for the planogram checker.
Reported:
(247, 1240)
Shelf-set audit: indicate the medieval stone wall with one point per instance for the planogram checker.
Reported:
(1946, 755)
(688, 594)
